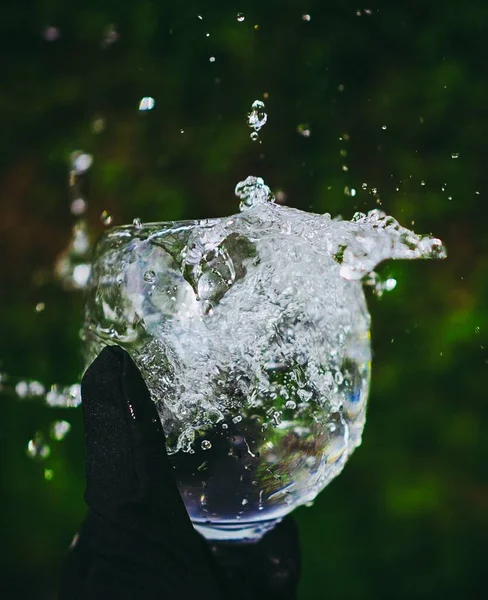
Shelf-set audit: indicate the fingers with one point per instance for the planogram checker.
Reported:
(268, 569)
(138, 528)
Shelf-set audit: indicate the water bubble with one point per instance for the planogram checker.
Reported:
(206, 445)
(137, 223)
(253, 191)
(149, 276)
(341, 87)
(244, 502)
(60, 429)
(240, 17)
(106, 218)
(383, 127)
(81, 162)
(291, 404)
(455, 155)
(257, 117)
(306, 17)
(364, 186)
(303, 130)
(237, 419)
(147, 103)
(48, 474)
(40, 306)
(78, 207)
(212, 59)
(37, 448)
(254, 136)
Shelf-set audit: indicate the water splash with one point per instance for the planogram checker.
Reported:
(253, 191)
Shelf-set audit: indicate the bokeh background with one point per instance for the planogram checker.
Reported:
(394, 97)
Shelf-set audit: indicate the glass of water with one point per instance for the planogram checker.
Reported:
(254, 348)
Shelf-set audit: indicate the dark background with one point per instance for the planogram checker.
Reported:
(408, 517)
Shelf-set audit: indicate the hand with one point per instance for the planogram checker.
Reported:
(137, 541)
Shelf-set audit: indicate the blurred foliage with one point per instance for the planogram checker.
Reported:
(390, 94)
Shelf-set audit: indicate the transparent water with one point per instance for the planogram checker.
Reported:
(252, 333)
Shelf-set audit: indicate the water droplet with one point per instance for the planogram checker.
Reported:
(147, 103)
(206, 445)
(137, 223)
(364, 186)
(149, 276)
(110, 36)
(303, 130)
(60, 429)
(422, 182)
(78, 207)
(383, 127)
(291, 404)
(254, 136)
(253, 191)
(306, 17)
(51, 34)
(244, 502)
(212, 59)
(81, 162)
(237, 419)
(477, 330)
(98, 125)
(40, 306)
(48, 474)
(37, 448)
(257, 117)
(81, 275)
(240, 17)
(341, 87)
(455, 155)
(106, 218)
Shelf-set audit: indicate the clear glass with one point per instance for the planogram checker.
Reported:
(255, 350)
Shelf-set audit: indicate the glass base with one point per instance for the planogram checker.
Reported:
(235, 531)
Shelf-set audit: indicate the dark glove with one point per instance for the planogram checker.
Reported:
(137, 541)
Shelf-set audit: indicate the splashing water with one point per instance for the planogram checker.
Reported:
(252, 333)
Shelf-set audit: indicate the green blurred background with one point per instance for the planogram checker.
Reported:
(395, 99)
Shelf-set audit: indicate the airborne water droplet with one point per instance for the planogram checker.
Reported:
(257, 117)
(106, 218)
(137, 223)
(60, 429)
(240, 17)
(206, 445)
(146, 103)
(37, 448)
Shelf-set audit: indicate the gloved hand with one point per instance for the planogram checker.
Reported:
(137, 541)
